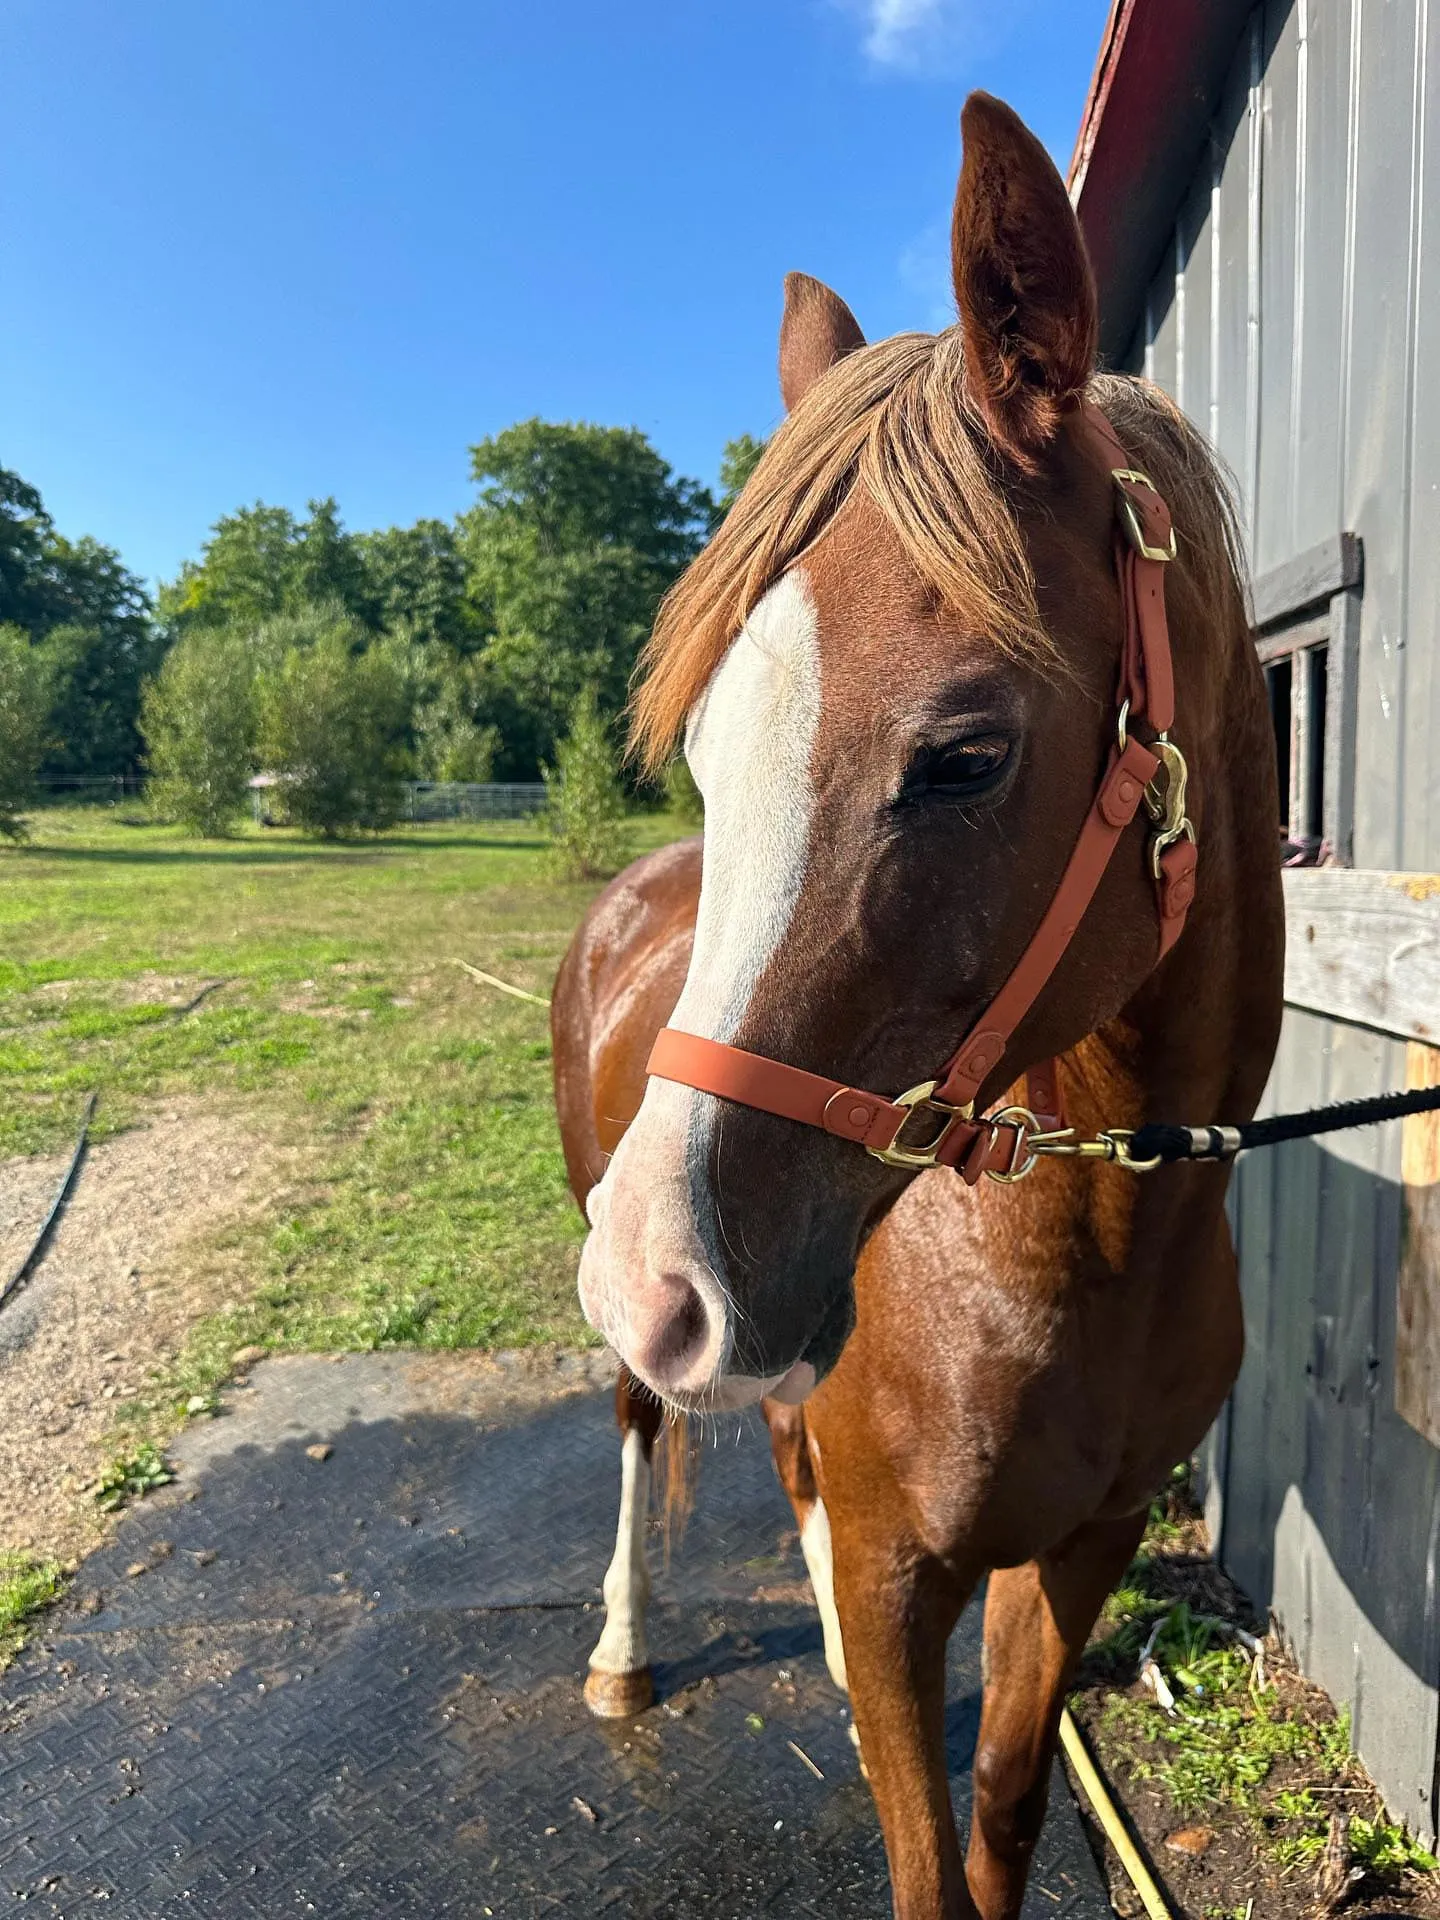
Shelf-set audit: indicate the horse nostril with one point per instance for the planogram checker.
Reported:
(677, 1334)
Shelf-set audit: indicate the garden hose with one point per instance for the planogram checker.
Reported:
(1098, 1795)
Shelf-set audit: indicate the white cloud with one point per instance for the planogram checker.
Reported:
(928, 36)
(895, 27)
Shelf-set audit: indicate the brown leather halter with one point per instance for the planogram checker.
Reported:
(1006, 1143)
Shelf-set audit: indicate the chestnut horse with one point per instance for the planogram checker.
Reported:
(895, 667)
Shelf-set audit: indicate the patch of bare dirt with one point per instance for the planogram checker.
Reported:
(1218, 1863)
(126, 1275)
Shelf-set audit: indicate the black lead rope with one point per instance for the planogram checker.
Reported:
(1161, 1142)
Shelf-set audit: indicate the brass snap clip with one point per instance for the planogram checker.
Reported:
(1112, 1144)
(1165, 800)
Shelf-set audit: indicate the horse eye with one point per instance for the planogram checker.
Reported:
(957, 769)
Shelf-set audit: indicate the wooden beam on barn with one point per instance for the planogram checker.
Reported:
(1364, 946)
(1287, 591)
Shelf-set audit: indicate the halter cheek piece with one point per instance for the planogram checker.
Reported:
(1006, 1144)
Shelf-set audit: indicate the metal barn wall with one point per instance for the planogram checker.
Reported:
(1296, 317)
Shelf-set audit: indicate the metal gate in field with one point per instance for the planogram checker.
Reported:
(472, 800)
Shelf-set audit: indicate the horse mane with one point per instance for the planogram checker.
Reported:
(1197, 485)
(894, 419)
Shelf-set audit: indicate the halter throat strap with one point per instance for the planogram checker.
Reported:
(937, 1119)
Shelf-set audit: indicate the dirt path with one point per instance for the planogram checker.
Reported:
(127, 1273)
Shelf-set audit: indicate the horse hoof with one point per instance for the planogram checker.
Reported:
(615, 1696)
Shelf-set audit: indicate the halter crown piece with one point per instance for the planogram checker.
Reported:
(1007, 1143)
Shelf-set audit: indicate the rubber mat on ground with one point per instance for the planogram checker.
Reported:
(350, 1685)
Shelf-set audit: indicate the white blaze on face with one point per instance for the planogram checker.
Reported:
(749, 744)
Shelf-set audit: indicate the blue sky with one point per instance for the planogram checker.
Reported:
(270, 249)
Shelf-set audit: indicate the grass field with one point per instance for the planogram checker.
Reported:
(435, 1210)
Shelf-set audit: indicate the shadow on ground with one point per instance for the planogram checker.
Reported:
(351, 1685)
(282, 854)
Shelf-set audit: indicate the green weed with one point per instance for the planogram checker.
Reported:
(1219, 1750)
(131, 1477)
(26, 1586)
(1384, 1848)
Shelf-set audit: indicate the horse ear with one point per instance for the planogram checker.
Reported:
(1022, 281)
(818, 329)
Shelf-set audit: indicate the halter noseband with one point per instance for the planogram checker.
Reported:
(1005, 1143)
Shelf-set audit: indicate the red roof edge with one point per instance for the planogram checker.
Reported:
(1111, 42)
(1156, 87)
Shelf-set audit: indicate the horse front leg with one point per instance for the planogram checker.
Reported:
(619, 1682)
(897, 1609)
(1037, 1620)
(791, 1450)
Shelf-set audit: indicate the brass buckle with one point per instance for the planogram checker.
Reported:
(1166, 803)
(925, 1156)
(1130, 519)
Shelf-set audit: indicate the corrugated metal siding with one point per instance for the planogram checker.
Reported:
(1296, 317)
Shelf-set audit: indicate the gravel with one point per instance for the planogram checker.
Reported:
(125, 1276)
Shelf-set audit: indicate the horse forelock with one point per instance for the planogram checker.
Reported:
(893, 421)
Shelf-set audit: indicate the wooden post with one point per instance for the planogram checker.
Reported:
(1417, 1320)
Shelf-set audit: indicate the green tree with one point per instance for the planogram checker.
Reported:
(25, 531)
(578, 485)
(578, 532)
(451, 742)
(329, 567)
(92, 614)
(415, 577)
(564, 621)
(98, 675)
(586, 803)
(261, 561)
(199, 721)
(243, 576)
(334, 723)
(103, 646)
(738, 461)
(24, 707)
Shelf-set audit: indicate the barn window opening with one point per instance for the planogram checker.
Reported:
(1279, 680)
(1307, 634)
(1317, 666)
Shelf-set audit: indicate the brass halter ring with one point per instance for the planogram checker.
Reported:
(1028, 1127)
(924, 1156)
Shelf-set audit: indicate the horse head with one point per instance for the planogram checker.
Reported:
(894, 670)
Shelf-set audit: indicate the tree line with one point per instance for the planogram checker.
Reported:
(344, 662)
